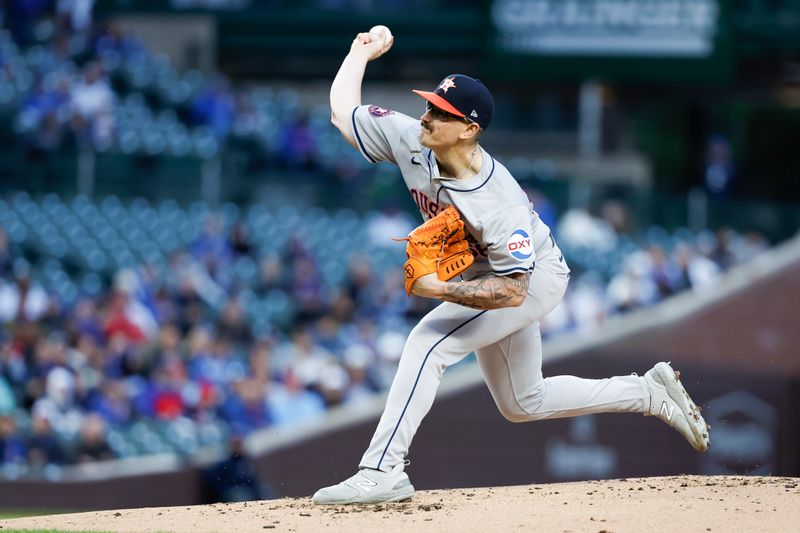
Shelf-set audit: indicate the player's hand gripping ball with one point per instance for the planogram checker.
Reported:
(383, 34)
(376, 42)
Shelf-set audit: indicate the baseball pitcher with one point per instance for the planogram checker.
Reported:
(481, 225)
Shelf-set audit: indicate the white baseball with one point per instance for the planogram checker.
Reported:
(381, 33)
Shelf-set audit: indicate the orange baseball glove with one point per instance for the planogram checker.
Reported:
(438, 245)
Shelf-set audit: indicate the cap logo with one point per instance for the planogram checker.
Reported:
(448, 83)
(474, 114)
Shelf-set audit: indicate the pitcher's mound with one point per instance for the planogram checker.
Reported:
(674, 504)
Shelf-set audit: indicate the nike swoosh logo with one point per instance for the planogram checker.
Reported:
(415, 162)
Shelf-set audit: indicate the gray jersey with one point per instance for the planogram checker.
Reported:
(508, 237)
(504, 231)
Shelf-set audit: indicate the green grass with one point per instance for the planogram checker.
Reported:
(5, 514)
(46, 531)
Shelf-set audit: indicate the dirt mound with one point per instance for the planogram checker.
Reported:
(674, 504)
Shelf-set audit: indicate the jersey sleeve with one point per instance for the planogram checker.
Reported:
(508, 237)
(378, 130)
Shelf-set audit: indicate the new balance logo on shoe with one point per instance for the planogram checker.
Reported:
(667, 411)
(366, 484)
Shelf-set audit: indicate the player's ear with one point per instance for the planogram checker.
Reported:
(472, 132)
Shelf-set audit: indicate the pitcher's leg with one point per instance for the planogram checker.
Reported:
(443, 337)
(516, 386)
(512, 370)
(431, 347)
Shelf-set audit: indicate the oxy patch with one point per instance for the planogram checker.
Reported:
(377, 111)
(519, 244)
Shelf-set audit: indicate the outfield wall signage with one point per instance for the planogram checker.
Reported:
(644, 28)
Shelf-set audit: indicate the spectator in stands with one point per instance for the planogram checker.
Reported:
(21, 17)
(297, 148)
(544, 206)
(110, 402)
(328, 335)
(215, 107)
(304, 360)
(752, 244)
(22, 299)
(74, 16)
(92, 445)
(7, 399)
(260, 361)
(361, 285)
(56, 66)
(306, 288)
(723, 251)
(49, 136)
(166, 389)
(211, 247)
(272, 274)
(43, 446)
(58, 406)
(12, 446)
(386, 224)
(116, 39)
(389, 346)
(333, 384)
(245, 406)
(121, 320)
(634, 286)
(357, 359)
(233, 324)
(697, 270)
(720, 171)
(41, 113)
(614, 213)
(234, 479)
(13, 365)
(5, 255)
(291, 404)
(85, 320)
(578, 227)
(239, 238)
(92, 104)
(199, 363)
(665, 273)
(587, 304)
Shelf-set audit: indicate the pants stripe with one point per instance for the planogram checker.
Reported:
(421, 367)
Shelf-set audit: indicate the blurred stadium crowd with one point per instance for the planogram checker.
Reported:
(131, 327)
(134, 329)
(99, 87)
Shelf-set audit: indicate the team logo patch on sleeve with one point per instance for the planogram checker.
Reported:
(377, 111)
(519, 244)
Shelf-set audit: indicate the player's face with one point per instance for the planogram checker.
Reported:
(440, 128)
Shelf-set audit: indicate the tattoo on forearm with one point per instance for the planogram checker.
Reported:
(492, 292)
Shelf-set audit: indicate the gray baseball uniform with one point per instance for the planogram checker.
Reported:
(506, 236)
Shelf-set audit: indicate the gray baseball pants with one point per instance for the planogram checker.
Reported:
(508, 346)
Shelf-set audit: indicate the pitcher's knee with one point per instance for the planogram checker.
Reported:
(516, 416)
(525, 408)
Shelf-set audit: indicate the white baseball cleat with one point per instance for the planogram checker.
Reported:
(368, 486)
(670, 402)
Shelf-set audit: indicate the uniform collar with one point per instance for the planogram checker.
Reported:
(479, 177)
